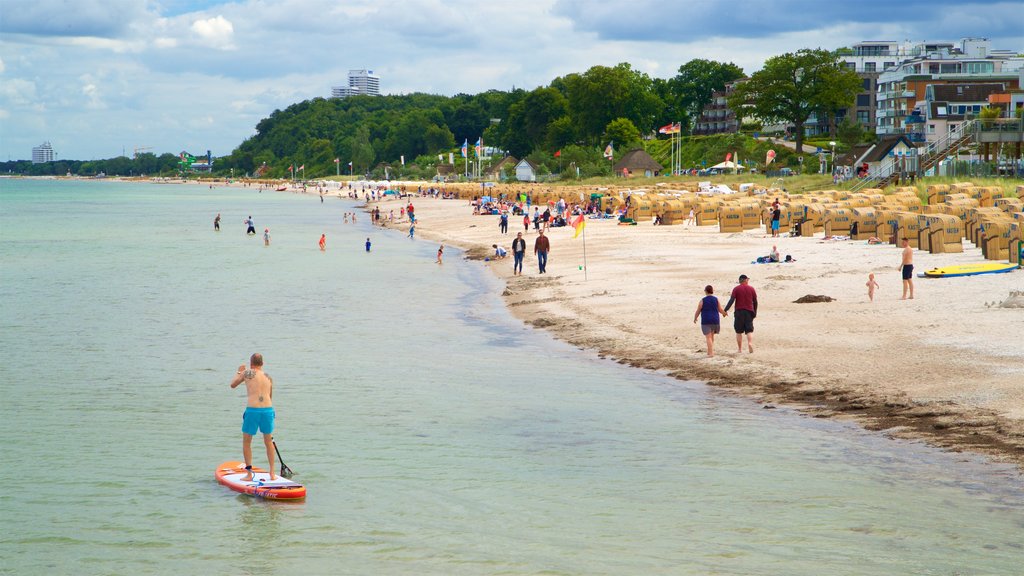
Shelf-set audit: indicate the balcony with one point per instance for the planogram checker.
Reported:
(908, 94)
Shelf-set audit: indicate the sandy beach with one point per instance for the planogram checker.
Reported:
(945, 367)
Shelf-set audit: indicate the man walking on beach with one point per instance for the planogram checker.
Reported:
(541, 247)
(259, 411)
(907, 267)
(518, 251)
(745, 298)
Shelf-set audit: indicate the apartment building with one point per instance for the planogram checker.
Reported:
(716, 117)
(900, 88)
(42, 153)
(360, 82)
(945, 106)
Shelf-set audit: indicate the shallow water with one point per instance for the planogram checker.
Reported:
(435, 433)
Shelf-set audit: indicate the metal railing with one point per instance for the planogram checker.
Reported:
(925, 158)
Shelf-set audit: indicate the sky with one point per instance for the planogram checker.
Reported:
(98, 78)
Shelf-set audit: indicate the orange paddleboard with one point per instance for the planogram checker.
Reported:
(233, 474)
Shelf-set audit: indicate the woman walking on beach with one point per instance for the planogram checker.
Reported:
(440, 254)
(710, 312)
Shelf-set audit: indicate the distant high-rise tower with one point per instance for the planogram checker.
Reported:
(42, 153)
(359, 82)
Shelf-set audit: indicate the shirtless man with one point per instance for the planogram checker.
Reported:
(259, 412)
(907, 267)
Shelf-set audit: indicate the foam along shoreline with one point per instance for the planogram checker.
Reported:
(944, 367)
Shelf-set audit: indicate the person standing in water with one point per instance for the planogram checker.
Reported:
(251, 227)
(216, 223)
(259, 411)
(266, 236)
(367, 244)
(440, 254)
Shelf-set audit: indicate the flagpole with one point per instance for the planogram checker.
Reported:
(584, 250)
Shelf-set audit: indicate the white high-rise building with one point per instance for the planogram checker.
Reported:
(42, 153)
(359, 82)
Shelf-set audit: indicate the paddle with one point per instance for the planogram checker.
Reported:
(285, 470)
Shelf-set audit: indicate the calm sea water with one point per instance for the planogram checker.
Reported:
(436, 434)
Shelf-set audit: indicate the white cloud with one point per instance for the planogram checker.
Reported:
(132, 71)
(91, 92)
(17, 92)
(216, 32)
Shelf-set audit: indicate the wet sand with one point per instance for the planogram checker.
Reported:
(945, 367)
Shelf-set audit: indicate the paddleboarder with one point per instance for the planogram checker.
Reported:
(259, 411)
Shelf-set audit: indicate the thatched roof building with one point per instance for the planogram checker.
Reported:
(636, 163)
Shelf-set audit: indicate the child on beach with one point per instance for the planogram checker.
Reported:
(266, 236)
(440, 253)
(871, 284)
(323, 242)
(367, 244)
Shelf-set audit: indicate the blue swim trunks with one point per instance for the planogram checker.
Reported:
(258, 420)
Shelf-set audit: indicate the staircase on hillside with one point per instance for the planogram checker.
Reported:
(926, 158)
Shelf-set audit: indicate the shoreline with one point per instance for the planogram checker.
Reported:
(643, 283)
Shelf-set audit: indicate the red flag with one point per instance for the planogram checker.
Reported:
(558, 154)
(336, 160)
(579, 224)
(303, 167)
(667, 129)
(728, 155)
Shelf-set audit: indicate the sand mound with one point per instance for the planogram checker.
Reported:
(811, 299)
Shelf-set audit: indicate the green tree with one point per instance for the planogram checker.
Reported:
(691, 89)
(623, 133)
(602, 94)
(849, 132)
(561, 133)
(792, 86)
(530, 118)
(361, 150)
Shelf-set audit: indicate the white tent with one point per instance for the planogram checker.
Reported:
(729, 166)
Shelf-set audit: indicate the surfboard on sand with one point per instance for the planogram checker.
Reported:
(232, 474)
(970, 269)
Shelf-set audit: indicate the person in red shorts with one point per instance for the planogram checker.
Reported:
(745, 298)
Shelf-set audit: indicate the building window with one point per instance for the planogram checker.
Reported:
(864, 117)
(867, 84)
(849, 65)
(869, 66)
(887, 65)
(931, 128)
(863, 100)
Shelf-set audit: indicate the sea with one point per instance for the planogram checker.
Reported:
(435, 433)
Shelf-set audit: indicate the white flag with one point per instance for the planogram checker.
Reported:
(403, 160)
